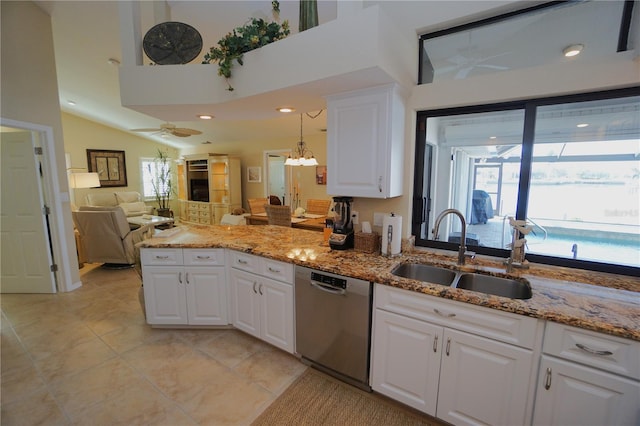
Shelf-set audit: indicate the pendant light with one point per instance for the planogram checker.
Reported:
(303, 156)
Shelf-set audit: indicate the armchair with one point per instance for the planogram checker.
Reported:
(106, 237)
(130, 201)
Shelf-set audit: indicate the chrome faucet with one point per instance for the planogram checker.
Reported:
(462, 251)
(518, 242)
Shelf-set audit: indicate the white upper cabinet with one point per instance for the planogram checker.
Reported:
(365, 143)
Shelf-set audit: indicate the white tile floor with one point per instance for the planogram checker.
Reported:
(88, 358)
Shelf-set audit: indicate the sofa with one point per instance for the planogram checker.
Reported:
(130, 201)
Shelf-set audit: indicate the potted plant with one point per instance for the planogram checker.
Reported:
(253, 35)
(162, 182)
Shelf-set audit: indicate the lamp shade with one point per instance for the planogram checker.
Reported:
(84, 180)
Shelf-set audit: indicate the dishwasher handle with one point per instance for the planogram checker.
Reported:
(328, 289)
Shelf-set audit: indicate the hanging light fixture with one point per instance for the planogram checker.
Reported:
(303, 156)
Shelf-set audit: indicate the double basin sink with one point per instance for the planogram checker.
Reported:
(487, 284)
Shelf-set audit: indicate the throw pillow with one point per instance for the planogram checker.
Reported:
(127, 197)
(133, 209)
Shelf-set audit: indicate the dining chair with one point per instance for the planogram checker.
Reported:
(278, 215)
(318, 206)
(256, 205)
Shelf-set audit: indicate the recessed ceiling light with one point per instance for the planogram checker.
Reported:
(572, 50)
(582, 125)
(285, 109)
(492, 137)
(205, 117)
(72, 103)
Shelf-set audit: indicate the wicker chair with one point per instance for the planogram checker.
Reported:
(278, 215)
(318, 206)
(256, 205)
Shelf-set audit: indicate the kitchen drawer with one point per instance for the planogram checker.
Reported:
(204, 220)
(503, 326)
(246, 262)
(205, 257)
(610, 353)
(277, 270)
(204, 207)
(164, 256)
(205, 214)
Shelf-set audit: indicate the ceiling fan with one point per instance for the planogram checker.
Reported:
(168, 129)
(465, 64)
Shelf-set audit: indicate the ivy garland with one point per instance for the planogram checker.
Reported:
(253, 35)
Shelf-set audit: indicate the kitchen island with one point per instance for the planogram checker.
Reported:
(601, 302)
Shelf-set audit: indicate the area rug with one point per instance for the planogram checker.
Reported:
(317, 399)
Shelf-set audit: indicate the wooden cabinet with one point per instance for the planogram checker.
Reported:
(365, 143)
(587, 378)
(453, 361)
(262, 298)
(209, 185)
(184, 286)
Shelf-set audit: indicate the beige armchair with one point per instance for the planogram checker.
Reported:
(106, 237)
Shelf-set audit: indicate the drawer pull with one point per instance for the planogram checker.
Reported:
(165, 257)
(448, 345)
(203, 257)
(435, 344)
(593, 351)
(443, 314)
(242, 262)
(276, 271)
(547, 380)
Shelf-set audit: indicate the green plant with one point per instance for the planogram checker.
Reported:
(253, 35)
(161, 181)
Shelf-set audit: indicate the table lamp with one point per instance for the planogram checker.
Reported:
(82, 180)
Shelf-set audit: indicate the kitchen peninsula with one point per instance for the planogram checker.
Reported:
(430, 344)
(596, 301)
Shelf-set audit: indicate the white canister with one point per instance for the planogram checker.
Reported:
(391, 235)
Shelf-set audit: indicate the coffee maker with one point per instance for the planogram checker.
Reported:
(342, 236)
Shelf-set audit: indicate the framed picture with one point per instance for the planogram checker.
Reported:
(321, 175)
(110, 166)
(254, 174)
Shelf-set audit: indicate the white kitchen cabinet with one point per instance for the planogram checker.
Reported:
(436, 356)
(184, 287)
(587, 378)
(260, 305)
(365, 143)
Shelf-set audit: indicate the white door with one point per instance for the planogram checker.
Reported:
(245, 302)
(26, 256)
(483, 381)
(206, 295)
(165, 297)
(406, 360)
(276, 315)
(571, 394)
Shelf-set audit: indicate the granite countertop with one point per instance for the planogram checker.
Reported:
(605, 303)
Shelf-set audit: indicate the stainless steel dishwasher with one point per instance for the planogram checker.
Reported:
(333, 324)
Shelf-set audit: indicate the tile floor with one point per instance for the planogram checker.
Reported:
(88, 358)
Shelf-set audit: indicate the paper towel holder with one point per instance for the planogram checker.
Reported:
(389, 235)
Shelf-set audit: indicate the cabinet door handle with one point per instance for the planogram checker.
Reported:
(435, 343)
(442, 314)
(448, 345)
(260, 289)
(180, 277)
(186, 276)
(242, 262)
(547, 380)
(379, 183)
(254, 287)
(165, 257)
(203, 257)
(277, 271)
(593, 351)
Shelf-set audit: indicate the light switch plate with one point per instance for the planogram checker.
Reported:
(377, 219)
(355, 217)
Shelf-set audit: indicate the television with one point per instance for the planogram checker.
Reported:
(199, 190)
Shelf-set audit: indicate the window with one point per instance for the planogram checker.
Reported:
(149, 170)
(570, 166)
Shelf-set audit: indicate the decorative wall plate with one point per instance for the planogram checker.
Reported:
(170, 43)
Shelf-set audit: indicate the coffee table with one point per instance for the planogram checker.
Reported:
(137, 221)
